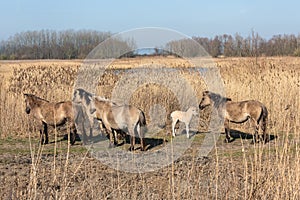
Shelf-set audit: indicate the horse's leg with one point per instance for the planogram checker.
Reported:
(141, 136)
(132, 142)
(187, 130)
(227, 130)
(73, 133)
(45, 132)
(112, 140)
(173, 127)
(132, 138)
(42, 137)
(91, 119)
(263, 126)
(115, 137)
(255, 124)
(142, 144)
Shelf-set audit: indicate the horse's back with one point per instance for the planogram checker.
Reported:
(174, 114)
(257, 108)
(246, 108)
(64, 109)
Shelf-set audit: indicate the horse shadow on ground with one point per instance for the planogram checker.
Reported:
(236, 134)
(154, 142)
(150, 143)
(64, 137)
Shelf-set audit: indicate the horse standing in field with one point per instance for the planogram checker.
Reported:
(184, 117)
(80, 96)
(50, 113)
(127, 118)
(238, 112)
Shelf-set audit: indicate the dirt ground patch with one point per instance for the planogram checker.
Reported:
(73, 173)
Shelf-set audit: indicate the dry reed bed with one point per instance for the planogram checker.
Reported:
(237, 170)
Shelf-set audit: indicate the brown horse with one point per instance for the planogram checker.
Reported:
(127, 118)
(237, 112)
(53, 114)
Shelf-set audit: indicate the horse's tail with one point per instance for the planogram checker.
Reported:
(143, 128)
(264, 121)
(142, 119)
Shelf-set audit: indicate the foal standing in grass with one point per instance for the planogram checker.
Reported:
(184, 117)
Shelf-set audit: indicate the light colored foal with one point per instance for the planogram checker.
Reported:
(184, 117)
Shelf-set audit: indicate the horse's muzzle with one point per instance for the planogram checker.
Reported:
(27, 110)
(201, 107)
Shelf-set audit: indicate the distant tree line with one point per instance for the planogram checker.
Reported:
(251, 46)
(49, 44)
(70, 44)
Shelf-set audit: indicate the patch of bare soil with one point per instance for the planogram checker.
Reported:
(75, 174)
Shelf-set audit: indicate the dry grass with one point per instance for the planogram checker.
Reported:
(238, 170)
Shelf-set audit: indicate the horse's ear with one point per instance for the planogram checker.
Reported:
(206, 92)
(92, 98)
(92, 110)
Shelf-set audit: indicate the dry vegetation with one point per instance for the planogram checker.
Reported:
(238, 170)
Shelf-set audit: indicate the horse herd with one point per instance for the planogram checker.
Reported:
(114, 117)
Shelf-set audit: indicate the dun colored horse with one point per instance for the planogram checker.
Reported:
(127, 118)
(83, 97)
(50, 113)
(184, 117)
(238, 112)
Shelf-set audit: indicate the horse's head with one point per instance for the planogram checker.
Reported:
(77, 96)
(193, 110)
(205, 101)
(28, 103)
(82, 96)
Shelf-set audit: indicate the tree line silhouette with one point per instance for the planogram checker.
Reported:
(71, 44)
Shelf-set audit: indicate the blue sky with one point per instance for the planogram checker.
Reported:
(193, 18)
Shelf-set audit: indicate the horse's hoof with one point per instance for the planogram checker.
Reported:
(44, 142)
(254, 141)
(226, 140)
(131, 148)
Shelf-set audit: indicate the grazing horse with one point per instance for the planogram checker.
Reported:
(127, 118)
(237, 112)
(184, 117)
(53, 114)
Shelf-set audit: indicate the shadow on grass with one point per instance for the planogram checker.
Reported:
(236, 134)
(149, 142)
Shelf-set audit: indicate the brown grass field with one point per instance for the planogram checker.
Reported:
(236, 170)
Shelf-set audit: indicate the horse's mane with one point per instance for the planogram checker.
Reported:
(36, 97)
(98, 98)
(218, 99)
(103, 99)
(85, 95)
